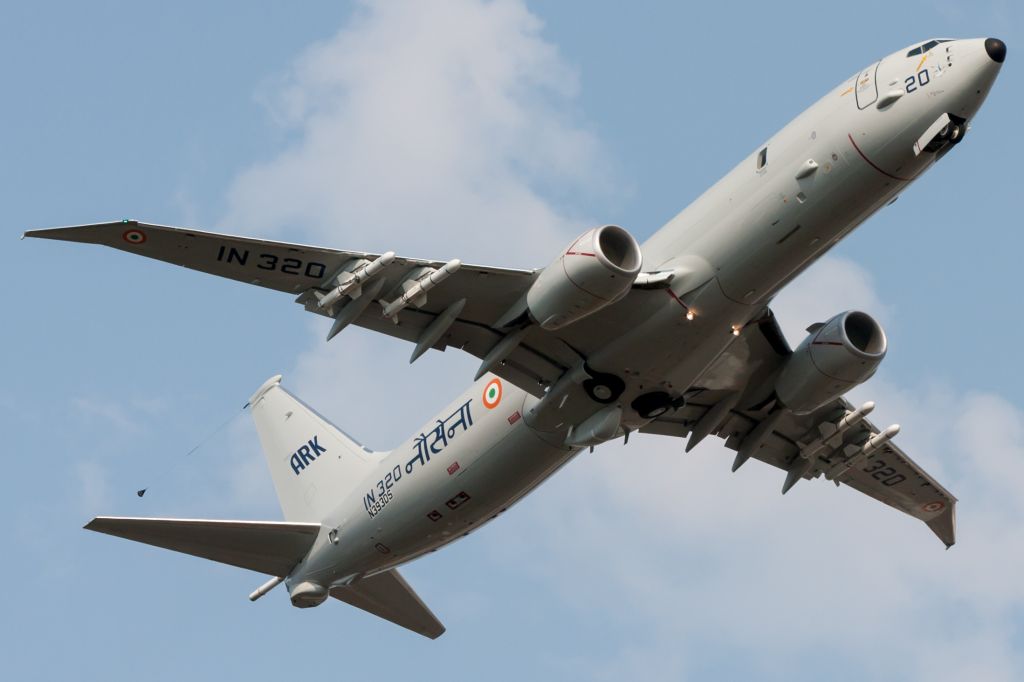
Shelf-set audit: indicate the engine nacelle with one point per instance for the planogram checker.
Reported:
(596, 270)
(835, 357)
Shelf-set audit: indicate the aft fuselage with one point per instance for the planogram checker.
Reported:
(736, 246)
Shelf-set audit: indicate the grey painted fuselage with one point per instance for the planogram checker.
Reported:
(766, 221)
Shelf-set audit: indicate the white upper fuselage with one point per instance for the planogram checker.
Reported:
(761, 225)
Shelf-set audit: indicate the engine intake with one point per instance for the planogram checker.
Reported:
(835, 357)
(596, 270)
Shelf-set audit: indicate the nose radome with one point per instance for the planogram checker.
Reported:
(996, 49)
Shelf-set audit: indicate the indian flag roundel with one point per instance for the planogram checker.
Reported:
(134, 236)
(492, 394)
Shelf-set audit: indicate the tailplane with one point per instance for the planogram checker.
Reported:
(387, 595)
(269, 547)
(312, 462)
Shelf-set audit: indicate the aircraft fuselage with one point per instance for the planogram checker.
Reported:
(766, 221)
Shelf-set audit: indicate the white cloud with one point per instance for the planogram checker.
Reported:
(427, 128)
(830, 286)
(433, 129)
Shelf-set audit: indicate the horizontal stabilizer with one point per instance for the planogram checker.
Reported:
(267, 547)
(388, 596)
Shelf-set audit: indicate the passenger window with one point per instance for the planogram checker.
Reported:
(762, 158)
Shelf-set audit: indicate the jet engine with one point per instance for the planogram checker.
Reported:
(597, 269)
(836, 356)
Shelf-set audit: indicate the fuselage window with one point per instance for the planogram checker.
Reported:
(762, 158)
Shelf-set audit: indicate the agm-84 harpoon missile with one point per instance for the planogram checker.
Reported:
(420, 287)
(873, 445)
(809, 453)
(852, 418)
(352, 282)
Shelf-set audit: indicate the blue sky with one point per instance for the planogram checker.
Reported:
(489, 132)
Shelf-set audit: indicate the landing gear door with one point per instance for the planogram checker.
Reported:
(866, 87)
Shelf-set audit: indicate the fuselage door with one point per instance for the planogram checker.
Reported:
(866, 87)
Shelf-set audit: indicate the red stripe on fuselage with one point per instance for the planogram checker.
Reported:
(871, 163)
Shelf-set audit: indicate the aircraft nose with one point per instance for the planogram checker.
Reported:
(996, 49)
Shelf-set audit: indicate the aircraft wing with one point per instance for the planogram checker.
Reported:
(462, 311)
(810, 446)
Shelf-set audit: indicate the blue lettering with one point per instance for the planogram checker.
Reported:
(306, 455)
(317, 448)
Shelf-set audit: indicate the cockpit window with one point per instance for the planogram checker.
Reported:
(927, 46)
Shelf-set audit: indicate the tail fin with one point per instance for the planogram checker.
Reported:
(313, 463)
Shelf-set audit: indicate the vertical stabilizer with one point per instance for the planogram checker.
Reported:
(313, 464)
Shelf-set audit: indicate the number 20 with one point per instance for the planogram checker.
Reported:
(912, 83)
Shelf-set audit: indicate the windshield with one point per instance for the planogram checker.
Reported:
(927, 46)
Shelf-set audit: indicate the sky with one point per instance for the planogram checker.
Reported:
(492, 132)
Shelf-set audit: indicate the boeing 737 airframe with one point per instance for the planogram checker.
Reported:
(674, 336)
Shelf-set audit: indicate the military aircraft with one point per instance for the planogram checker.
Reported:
(673, 337)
